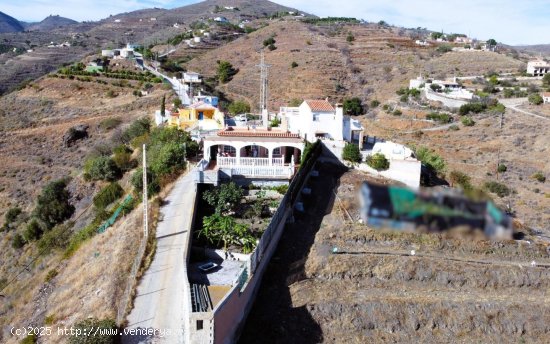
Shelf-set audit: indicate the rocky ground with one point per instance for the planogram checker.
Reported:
(452, 290)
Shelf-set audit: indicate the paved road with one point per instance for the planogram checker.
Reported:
(179, 88)
(161, 302)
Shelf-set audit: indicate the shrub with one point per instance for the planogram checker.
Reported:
(109, 123)
(153, 186)
(238, 107)
(439, 117)
(295, 102)
(467, 121)
(217, 228)
(351, 153)
(535, 99)
(397, 112)
(139, 127)
(105, 335)
(454, 127)
(30, 339)
(353, 106)
(497, 188)
(374, 103)
(224, 198)
(123, 158)
(444, 48)
(294, 64)
(282, 189)
(378, 161)
(12, 214)
(167, 158)
(17, 241)
(460, 179)
(430, 159)
(269, 41)
(472, 107)
(271, 47)
(350, 38)
(51, 275)
(56, 238)
(108, 195)
(539, 176)
(502, 168)
(102, 168)
(33, 231)
(225, 71)
(53, 205)
(435, 87)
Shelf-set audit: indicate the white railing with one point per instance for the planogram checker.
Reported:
(224, 161)
(263, 171)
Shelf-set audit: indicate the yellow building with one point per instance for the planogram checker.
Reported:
(200, 115)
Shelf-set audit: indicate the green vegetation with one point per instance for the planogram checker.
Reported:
(405, 93)
(437, 35)
(353, 106)
(374, 103)
(331, 20)
(109, 123)
(467, 121)
(11, 218)
(30, 339)
(53, 206)
(295, 102)
(238, 107)
(179, 38)
(472, 108)
(535, 99)
(444, 48)
(106, 334)
(275, 122)
(153, 186)
(123, 158)
(430, 159)
(440, 117)
(502, 168)
(17, 241)
(138, 128)
(108, 195)
(51, 275)
(269, 41)
(378, 161)
(539, 176)
(458, 178)
(101, 168)
(497, 188)
(546, 80)
(308, 150)
(224, 229)
(224, 198)
(294, 64)
(397, 112)
(56, 238)
(33, 231)
(225, 71)
(350, 37)
(352, 153)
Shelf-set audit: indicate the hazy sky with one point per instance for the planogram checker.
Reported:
(508, 21)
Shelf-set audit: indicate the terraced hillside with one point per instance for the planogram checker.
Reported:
(378, 61)
(454, 289)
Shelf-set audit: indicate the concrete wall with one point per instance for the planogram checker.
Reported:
(448, 102)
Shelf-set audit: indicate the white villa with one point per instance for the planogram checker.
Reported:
(274, 153)
(450, 93)
(318, 119)
(538, 67)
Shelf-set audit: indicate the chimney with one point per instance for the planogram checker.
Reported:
(284, 123)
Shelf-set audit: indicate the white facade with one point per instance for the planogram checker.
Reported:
(546, 97)
(108, 53)
(191, 77)
(538, 67)
(392, 150)
(314, 119)
(159, 119)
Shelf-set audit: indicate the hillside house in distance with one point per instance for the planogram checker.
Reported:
(200, 116)
(538, 67)
(546, 97)
(448, 92)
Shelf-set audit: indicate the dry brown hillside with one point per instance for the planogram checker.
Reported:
(378, 62)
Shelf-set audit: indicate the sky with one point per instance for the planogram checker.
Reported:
(509, 21)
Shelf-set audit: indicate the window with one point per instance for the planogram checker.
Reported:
(230, 150)
(199, 325)
(201, 115)
(316, 117)
(277, 151)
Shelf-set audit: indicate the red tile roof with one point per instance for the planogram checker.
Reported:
(320, 105)
(256, 133)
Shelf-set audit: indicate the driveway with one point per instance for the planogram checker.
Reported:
(161, 301)
(514, 103)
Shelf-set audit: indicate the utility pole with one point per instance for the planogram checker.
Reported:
(145, 200)
(263, 87)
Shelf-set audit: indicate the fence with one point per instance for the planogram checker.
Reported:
(115, 215)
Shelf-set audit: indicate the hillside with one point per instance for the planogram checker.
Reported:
(540, 48)
(9, 24)
(452, 290)
(51, 22)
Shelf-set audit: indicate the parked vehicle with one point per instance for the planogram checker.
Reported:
(206, 267)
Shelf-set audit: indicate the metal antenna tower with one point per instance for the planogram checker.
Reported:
(264, 83)
(145, 201)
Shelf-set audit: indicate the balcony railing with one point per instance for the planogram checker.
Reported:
(224, 161)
